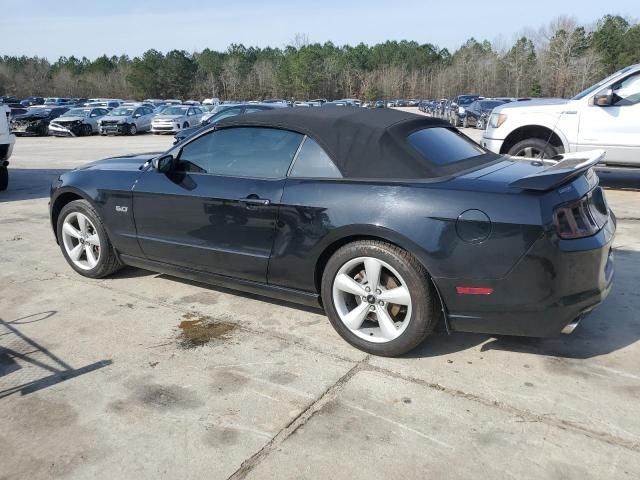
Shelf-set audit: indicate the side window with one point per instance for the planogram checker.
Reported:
(232, 112)
(191, 111)
(253, 110)
(313, 162)
(241, 152)
(627, 92)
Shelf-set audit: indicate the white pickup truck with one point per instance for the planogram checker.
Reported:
(605, 115)
(6, 146)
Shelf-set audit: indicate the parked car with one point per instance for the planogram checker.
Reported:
(434, 227)
(224, 112)
(604, 115)
(56, 101)
(16, 111)
(30, 101)
(9, 99)
(127, 120)
(36, 121)
(77, 122)
(7, 141)
(378, 104)
(477, 114)
(108, 104)
(458, 106)
(176, 118)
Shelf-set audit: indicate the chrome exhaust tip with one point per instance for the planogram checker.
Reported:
(571, 326)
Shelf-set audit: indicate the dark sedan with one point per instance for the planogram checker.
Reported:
(36, 121)
(477, 114)
(225, 111)
(391, 221)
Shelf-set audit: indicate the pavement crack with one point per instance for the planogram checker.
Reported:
(522, 415)
(327, 396)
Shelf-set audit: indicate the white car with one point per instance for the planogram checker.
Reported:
(77, 122)
(7, 140)
(174, 119)
(605, 115)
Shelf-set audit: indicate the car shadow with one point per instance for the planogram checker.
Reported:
(612, 326)
(619, 178)
(29, 183)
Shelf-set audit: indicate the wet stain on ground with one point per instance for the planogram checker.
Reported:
(198, 331)
(221, 436)
(282, 378)
(157, 397)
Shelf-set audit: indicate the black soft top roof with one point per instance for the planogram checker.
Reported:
(362, 143)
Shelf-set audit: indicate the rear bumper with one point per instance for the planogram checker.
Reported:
(555, 283)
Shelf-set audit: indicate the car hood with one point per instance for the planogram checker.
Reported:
(541, 105)
(167, 117)
(68, 119)
(123, 163)
(31, 116)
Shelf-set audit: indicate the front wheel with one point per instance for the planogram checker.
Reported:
(133, 129)
(185, 125)
(465, 122)
(378, 298)
(84, 241)
(480, 123)
(533, 148)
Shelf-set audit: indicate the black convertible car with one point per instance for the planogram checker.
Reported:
(390, 221)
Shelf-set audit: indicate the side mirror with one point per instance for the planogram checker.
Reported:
(163, 164)
(603, 98)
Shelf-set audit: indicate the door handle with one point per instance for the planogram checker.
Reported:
(255, 200)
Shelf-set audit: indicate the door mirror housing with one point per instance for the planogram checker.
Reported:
(603, 98)
(163, 163)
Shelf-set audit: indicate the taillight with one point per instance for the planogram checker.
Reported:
(582, 218)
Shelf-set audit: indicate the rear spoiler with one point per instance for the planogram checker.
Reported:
(562, 169)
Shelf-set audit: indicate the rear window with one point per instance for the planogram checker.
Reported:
(443, 146)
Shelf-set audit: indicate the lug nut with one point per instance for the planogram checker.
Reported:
(367, 289)
(378, 291)
(381, 303)
(372, 308)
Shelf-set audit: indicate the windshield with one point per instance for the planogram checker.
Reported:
(466, 100)
(175, 111)
(77, 112)
(40, 110)
(593, 88)
(121, 112)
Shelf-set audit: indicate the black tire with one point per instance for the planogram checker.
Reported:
(108, 262)
(480, 124)
(185, 125)
(87, 130)
(424, 315)
(4, 178)
(533, 148)
(132, 129)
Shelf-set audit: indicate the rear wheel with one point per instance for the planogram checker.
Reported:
(84, 241)
(378, 298)
(533, 148)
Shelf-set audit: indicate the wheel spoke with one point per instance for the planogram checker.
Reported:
(399, 296)
(91, 258)
(82, 223)
(355, 317)
(528, 152)
(93, 240)
(76, 252)
(347, 284)
(70, 230)
(387, 327)
(372, 268)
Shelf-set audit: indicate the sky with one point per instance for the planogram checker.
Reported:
(92, 27)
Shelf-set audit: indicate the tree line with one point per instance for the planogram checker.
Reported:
(559, 59)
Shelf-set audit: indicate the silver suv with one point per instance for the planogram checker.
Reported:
(126, 120)
(605, 115)
(7, 140)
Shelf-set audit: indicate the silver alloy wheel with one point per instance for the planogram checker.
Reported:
(372, 299)
(81, 241)
(133, 129)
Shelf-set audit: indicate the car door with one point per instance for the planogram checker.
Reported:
(216, 209)
(147, 116)
(615, 127)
